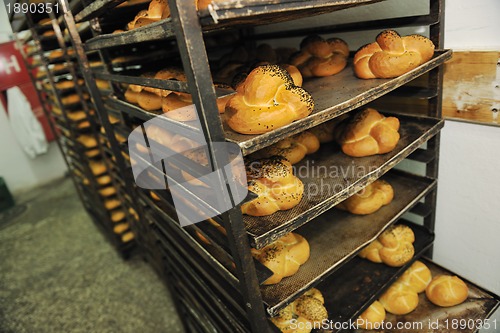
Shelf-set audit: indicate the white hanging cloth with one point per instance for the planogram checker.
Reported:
(26, 127)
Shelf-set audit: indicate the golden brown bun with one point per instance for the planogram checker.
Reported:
(88, 141)
(371, 252)
(294, 73)
(148, 100)
(157, 10)
(275, 184)
(302, 313)
(417, 277)
(397, 244)
(446, 290)
(120, 228)
(127, 237)
(77, 115)
(267, 100)
(111, 204)
(369, 133)
(104, 180)
(117, 215)
(131, 96)
(372, 317)
(399, 299)
(294, 148)
(103, 84)
(392, 55)
(97, 167)
(319, 57)
(283, 257)
(394, 247)
(370, 199)
(326, 131)
(72, 99)
(108, 191)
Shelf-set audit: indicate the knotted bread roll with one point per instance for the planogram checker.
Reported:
(417, 277)
(319, 57)
(369, 133)
(326, 131)
(394, 247)
(370, 199)
(399, 299)
(446, 290)
(372, 317)
(266, 100)
(392, 55)
(294, 148)
(275, 184)
(303, 313)
(283, 257)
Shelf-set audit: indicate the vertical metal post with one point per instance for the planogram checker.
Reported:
(191, 45)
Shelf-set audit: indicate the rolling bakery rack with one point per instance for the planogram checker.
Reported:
(208, 267)
(53, 68)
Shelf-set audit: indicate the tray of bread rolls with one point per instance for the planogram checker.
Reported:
(337, 235)
(330, 176)
(437, 310)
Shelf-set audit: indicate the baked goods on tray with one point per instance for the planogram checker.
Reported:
(399, 299)
(275, 184)
(283, 257)
(306, 311)
(392, 55)
(266, 100)
(318, 57)
(417, 277)
(372, 317)
(369, 133)
(294, 148)
(394, 247)
(446, 290)
(370, 199)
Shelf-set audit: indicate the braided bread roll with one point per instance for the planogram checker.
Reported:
(370, 199)
(319, 57)
(394, 247)
(294, 148)
(399, 299)
(275, 184)
(392, 55)
(284, 256)
(446, 290)
(266, 100)
(369, 133)
(304, 312)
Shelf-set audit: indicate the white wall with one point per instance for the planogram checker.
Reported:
(19, 171)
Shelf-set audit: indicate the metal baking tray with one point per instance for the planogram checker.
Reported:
(228, 13)
(337, 176)
(479, 306)
(333, 96)
(359, 282)
(336, 236)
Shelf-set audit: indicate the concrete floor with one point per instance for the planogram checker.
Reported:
(58, 274)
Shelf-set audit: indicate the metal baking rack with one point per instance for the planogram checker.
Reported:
(72, 120)
(191, 258)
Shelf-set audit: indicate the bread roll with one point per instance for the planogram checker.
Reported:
(276, 186)
(319, 57)
(372, 317)
(446, 290)
(392, 55)
(148, 100)
(267, 100)
(283, 257)
(370, 199)
(304, 312)
(111, 204)
(399, 299)
(369, 133)
(394, 247)
(326, 131)
(117, 216)
(417, 277)
(294, 148)
(371, 252)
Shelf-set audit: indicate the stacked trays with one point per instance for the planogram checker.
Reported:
(215, 281)
(50, 57)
